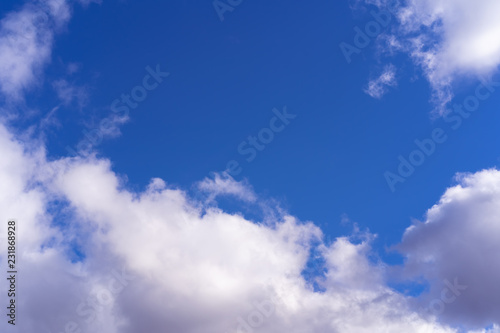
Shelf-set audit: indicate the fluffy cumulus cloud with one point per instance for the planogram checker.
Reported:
(458, 244)
(449, 39)
(154, 261)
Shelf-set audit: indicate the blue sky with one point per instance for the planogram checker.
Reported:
(228, 79)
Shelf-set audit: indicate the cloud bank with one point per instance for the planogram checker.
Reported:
(180, 269)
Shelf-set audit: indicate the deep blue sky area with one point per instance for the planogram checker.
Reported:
(225, 79)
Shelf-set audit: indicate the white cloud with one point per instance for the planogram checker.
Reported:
(494, 329)
(195, 268)
(378, 87)
(26, 39)
(68, 92)
(73, 68)
(224, 184)
(192, 272)
(449, 39)
(88, 2)
(460, 239)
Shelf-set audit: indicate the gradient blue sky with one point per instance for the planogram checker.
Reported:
(226, 77)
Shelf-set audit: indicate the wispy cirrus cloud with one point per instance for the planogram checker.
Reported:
(224, 184)
(68, 93)
(379, 86)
